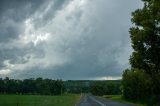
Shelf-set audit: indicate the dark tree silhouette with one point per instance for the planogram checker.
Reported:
(145, 36)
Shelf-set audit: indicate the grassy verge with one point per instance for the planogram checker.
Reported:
(119, 98)
(38, 100)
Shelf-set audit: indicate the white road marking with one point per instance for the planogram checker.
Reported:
(102, 104)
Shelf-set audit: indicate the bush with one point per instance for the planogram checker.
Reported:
(136, 85)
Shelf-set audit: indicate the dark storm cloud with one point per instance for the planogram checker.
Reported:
(18, 10)
(78, 39)
(14, 12)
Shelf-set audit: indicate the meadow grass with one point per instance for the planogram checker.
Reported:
(119, 98)
(38, 100)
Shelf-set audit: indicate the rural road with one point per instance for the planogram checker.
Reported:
(89, 100)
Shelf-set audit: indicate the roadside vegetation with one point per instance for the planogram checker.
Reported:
(142, 81)
(106, 88)
(120, 98)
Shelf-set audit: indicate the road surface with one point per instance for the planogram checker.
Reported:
(89, 100)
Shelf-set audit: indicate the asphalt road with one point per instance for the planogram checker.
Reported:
(98, 101)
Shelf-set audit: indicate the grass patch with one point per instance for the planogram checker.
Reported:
(38, 100)
(119, 98)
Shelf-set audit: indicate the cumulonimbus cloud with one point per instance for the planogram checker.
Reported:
(76, 39)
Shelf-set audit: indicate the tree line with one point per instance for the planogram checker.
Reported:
(77, 86)
(106, 88)
(56, 87)
(31, 86)
(142, 81)
(101, 87)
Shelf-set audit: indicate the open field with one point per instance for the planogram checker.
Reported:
(37, 100)
(119, 98)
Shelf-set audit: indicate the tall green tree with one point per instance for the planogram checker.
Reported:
(145, 36)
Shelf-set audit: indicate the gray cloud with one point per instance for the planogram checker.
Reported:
(78, 39)
(12, 13)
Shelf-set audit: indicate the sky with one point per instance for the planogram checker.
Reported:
(65, 39)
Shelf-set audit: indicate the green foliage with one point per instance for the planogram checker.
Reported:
(77, 86)
(105, 88)
(97, 89)
(145, 36)
(100, 87)
(31, 86)
(57, 87)
(136, 85)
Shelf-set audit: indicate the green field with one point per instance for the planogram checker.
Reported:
(37, 100)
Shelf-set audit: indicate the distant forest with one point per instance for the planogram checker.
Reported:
(56, 87)
(31, 86)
